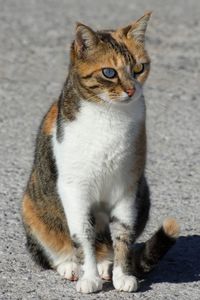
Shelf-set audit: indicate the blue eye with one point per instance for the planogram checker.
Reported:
(109, 72)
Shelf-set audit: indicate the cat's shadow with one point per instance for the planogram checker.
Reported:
(180, 265)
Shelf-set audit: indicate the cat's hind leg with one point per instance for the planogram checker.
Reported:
(105, 269)
(48, 241)
(104, 255)
(69, 269)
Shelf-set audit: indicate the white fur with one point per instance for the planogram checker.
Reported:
(94, 162)
(124, 282)
(69, 270)
(105, 269)
(89, 285)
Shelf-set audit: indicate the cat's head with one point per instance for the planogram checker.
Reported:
(110, 65)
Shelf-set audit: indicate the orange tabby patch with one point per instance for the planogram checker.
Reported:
(171, 227)
(103, 251)
(50, 119)
(56, 241)
(33, 178)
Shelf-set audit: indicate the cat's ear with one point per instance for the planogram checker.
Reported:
(137, 29)
(86, 39)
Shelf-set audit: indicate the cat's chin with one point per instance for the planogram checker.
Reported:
(126, 100)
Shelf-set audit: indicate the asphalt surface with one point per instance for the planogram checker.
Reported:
(34, 42)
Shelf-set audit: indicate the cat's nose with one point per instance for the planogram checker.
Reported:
(130, 92)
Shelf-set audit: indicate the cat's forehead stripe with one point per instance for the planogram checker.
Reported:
(118, 47)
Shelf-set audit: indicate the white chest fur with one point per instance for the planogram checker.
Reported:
(97, 150)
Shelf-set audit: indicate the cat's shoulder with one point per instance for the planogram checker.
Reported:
(50, 118)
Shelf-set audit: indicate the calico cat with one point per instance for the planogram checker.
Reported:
(87, 198)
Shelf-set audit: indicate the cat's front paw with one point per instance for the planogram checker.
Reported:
(89, 285)
(126, 283)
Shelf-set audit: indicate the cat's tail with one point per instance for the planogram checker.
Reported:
(147, 255)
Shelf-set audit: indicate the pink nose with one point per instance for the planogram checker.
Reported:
(130, 92)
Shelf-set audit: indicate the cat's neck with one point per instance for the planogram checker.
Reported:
(124, 113)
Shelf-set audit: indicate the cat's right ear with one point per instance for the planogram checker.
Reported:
(85, 39)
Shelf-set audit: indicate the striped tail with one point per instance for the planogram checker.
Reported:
(147, 256)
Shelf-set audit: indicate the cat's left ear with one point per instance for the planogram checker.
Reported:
(85, 39)
(137, 29)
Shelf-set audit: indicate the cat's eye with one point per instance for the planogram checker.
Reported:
(109, 72)
(138, 69)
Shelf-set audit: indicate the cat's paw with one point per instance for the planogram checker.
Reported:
(105, 269)
(89, 285)
(122, 282)
(69, 270)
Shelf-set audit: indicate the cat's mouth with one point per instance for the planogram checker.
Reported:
(124, 97)
(114, 99)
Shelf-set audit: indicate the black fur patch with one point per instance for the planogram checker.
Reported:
(148, 254)
(59, 123)
(142, 205)
(37, 252)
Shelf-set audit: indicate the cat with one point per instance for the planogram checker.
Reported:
(87, 199)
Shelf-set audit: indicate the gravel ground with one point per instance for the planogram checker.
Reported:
(34, 43)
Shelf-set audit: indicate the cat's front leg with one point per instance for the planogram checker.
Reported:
(121, 227)
(77, 209)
